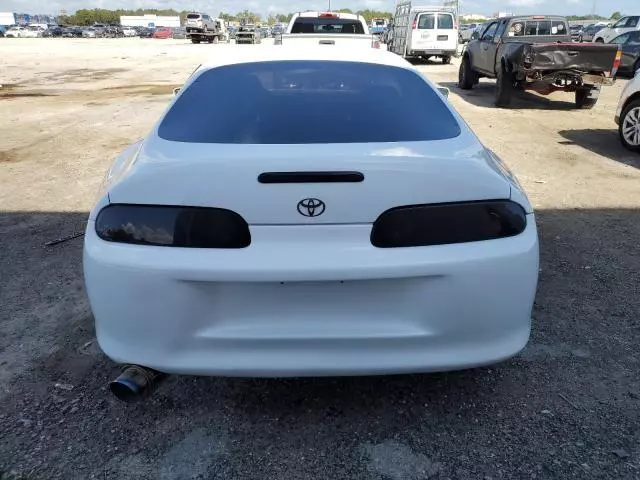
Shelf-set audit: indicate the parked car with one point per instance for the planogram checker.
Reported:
(575, 32)
(33, 31)
(2, 30)
(630, 44)
(277, 29)
(248, 34)
(146, 32)
(199, 22)
(588, 32)
(180, 32)
(15, 32)
(466, 31)
(428, 267)
(535, 52)
(424, 32)
(163, 32)
(53, 31)
(72, 32)
(628, 115)
(129, 32)
(624, 25)
(90, 32)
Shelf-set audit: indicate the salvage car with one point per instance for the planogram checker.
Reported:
(628, 115)
(587, 33)
(163, 33)
(630, 44)
(248, 34)
(624, 25)
(255, 244)
(536, 53)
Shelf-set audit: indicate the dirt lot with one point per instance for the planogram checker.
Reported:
(567, 407)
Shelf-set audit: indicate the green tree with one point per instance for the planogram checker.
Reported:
(616, 16)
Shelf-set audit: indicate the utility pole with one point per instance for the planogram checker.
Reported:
(593, 9)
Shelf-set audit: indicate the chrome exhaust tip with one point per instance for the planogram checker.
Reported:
(136, 383)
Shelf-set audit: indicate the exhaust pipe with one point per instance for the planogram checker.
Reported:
(136, 383)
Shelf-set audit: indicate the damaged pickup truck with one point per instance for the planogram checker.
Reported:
(536, 53)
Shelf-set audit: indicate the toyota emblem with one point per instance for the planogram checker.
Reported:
(311, 207)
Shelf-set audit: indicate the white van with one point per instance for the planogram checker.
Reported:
(424, 32)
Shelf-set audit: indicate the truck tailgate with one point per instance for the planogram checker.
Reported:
(330, 39)
(585, 57)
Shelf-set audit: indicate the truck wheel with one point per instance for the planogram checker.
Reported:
(504, 88)
(216, 39)
(630, 126)
(466, 76)
(586, 98)
(599, 40)
(446, 60)
(195, 40)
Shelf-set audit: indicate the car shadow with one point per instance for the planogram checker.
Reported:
(482, 95)
(603, 142)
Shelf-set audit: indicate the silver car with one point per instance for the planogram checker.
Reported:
(200, 23)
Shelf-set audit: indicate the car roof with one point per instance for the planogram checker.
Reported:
(319, 53)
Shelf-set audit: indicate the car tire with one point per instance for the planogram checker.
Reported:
(446, 60)
(586, 98)
(629, 119)
(195, 40)
(599, 40)
(504, 88)
(466, 75)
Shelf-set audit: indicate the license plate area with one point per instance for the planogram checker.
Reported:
(443, 38)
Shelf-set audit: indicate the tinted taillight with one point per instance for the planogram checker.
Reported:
(191, 227)
(415, 25)
(446, 223)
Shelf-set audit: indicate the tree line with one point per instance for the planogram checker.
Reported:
(101, 15)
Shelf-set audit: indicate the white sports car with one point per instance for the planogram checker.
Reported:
(341, 220)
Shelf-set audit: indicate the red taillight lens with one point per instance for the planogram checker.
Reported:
(415, 25)
(376, 44)
(328, 15)
(616, 62)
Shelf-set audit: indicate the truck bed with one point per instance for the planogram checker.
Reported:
(586, 57)
(593, 58)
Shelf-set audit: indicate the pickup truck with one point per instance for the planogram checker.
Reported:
(328, 28)
(248, 34)
(536, 53)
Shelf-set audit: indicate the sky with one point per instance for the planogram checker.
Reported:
(486, 7)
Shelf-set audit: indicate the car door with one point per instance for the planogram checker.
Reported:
(484, 59)
(423, 33)
(446, 33)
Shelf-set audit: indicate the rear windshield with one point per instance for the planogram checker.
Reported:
(445, 21)
(531, 28)
(326, 25)
(193, 15)
(301, 102)
(427, 21)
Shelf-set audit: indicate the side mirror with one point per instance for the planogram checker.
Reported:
(444, 91)
(609, 25)
(176, 91)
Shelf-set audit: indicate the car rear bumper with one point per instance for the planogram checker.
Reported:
(335, 306)
(421, 53)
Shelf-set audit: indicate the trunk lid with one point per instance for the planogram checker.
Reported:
(227, 176)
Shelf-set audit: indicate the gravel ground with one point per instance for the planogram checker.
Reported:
(567, 407)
